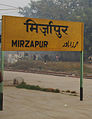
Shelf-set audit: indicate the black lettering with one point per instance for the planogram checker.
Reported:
(31, 25)
(32, 44)
(76, 44)
(41, 44)
(36, 43)
(71, 44)
(27, 43)
(45, 43)
(18, 43)
(66, 44)
(21, 43)
(14, 43)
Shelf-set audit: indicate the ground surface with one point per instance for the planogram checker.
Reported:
(28, 104)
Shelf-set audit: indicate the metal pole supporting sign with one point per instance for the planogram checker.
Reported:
(1, 80)
(81, 76)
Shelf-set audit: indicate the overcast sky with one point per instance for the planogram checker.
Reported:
(15, 3)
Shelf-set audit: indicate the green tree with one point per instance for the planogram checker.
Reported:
(71, 10)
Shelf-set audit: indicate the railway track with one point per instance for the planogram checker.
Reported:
(54, 73)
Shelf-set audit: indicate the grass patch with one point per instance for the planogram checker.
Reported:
(68, 92)
(33, 87)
